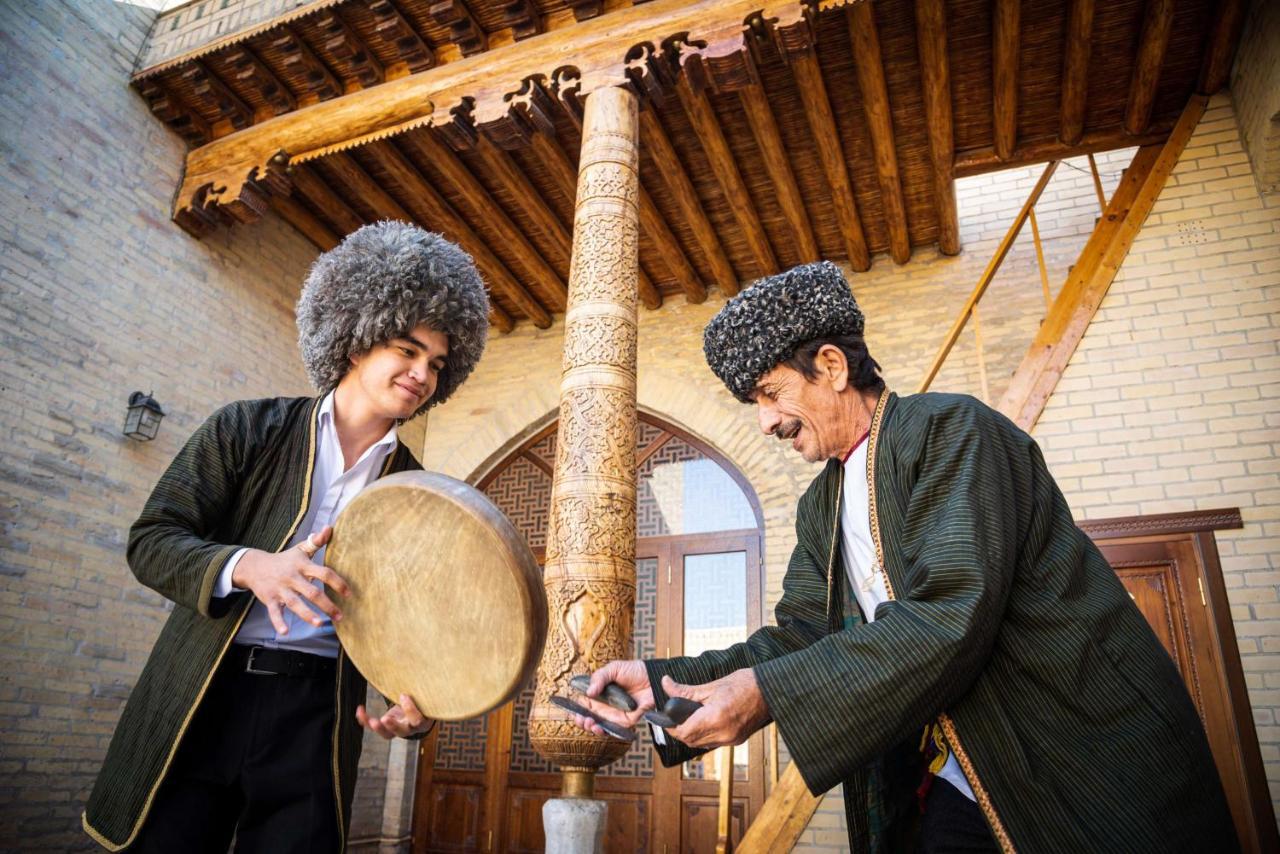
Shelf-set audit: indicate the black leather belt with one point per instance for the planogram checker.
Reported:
(261, 661)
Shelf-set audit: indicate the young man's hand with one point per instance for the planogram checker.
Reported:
(283, 580)
(402, 719)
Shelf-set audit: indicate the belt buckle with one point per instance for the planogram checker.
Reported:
(248, 665)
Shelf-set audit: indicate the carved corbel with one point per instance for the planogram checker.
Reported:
(238, 193)
(523, 17)
(528, 111)
(344, 44)
(172, 111)
(300, 60)
(251, 71)
(793, 36)
(464, 30)
(216, 94)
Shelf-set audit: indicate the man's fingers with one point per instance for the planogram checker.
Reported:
(412, 716)
(277, 618)
(700, 693)
(298, 605)
(329, 577)
(321, 601)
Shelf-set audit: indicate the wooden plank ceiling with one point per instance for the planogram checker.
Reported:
(770, 136)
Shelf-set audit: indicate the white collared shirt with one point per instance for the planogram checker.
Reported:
(332, 489)
(858, 550)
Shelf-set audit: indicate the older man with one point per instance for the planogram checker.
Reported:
(946, 636)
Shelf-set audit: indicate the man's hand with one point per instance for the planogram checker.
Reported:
(732, 709)
(632, 678)
(402, 719)
(283, 580)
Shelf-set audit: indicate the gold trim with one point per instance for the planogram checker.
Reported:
(948, 726)
(182, 730)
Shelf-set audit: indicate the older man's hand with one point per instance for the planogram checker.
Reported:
(732, 709)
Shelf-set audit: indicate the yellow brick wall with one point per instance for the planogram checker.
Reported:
(100, 295)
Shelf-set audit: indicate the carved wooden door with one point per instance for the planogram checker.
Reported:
(1169, 565)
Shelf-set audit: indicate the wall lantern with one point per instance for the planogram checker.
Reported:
(143, 418)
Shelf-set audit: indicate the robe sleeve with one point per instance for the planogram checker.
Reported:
(800, 615)
(170, 548)
(852, 695)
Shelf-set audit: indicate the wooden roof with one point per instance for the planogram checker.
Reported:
(771, 135)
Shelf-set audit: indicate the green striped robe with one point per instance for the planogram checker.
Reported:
(1008, 627)
(242, 479)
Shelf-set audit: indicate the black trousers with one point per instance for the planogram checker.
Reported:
(952, 824)
(255, 764)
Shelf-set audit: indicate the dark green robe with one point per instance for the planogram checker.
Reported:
(1069, 719)
(242, 479)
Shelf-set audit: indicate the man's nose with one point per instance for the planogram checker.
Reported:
(768, 418)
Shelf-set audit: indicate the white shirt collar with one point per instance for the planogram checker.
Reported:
(326, 425)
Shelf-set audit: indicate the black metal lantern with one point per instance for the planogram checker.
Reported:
(143, 418)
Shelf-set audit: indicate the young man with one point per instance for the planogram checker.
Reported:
(941, 612)
(247, 717)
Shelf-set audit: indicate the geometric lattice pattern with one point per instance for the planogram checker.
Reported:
(460, 744)
(523, 492)
(638, 761)
(523, 756)
(646, 433)
(545, 449)
(650, 521)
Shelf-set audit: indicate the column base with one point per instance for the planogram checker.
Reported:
(574, 825)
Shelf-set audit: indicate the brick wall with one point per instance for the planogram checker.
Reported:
(1170, 402)
(1255, 92)
(100, 295)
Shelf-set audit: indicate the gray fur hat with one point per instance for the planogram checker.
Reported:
(764, 324)
(380, 282)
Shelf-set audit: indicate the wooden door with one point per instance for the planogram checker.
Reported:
(1169, 565)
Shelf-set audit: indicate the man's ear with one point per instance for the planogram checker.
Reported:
(833, 366)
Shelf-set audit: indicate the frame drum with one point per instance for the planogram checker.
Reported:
(446, 601)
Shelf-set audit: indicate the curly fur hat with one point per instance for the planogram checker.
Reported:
(764, 324)
(380, 282)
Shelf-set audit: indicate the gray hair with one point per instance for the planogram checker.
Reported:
(379, 283)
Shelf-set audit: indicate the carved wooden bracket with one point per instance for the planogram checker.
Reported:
(392, 26)
(173, 112)
(350, 49)
(464, 30)
(251, 70)
(295, 54)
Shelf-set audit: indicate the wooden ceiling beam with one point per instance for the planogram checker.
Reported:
(434, 213)
(233, 114)
(764, 128)
(487, 210)
(654, 227)
(1220, 50)
(1006, 37)
(982, 161)
(654, 139)
(1075, 69)
(822, 124)
(343, 43)
(702, 116)
(253, 73)
(1157, 24)
(935, 82)
(555, 239)
(523, 17)
(299, 59)
(324, 199)
(395, 30)
(464, 30)
(307, 223)
(875, 105)
(174, 112)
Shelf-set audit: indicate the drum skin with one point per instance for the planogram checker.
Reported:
(446, 603)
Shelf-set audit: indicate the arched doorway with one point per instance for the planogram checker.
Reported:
(699, 576)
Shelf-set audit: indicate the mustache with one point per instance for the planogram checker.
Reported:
(787, 429)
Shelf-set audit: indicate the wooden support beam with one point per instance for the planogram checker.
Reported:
(252, 72)
(171, 110)
(296, 56)
(1097, 184)
(654, 227)
(307, 223)
(702, 116)
(784, 816)
(554, 238)
(434, 213)
(1006, 36)
(993, 266)
(232, 112)
(523, 17)
(392, 28)
(486, 209)
(935, 81)
(982, 161)
(323, 198)
(822, 124)
(1034, 381)
(1220, 50)
(1157, 24)
(1075, 69)
(343, 43)
(764, 127)
(671, 171)
(464, 30)
(724, 811)
(875, 105)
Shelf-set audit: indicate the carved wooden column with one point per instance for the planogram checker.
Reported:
(590, 568)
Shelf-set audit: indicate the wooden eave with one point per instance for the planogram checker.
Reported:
(335, 76)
